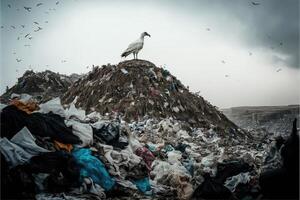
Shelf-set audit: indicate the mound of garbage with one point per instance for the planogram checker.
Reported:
(43, 86)
(61, 151)
(136, 88)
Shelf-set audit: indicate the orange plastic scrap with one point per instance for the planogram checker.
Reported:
(59, 145)
(28, 107)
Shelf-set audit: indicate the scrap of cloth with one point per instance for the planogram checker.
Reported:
(20, 148)
(27, 107)
(44, 125)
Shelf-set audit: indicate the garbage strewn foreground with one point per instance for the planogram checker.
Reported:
(133, 131)
(53, 152)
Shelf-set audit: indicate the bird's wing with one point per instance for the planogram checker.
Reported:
(133, 46)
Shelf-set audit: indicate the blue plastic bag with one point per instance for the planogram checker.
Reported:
(143, 184)
(93, 167)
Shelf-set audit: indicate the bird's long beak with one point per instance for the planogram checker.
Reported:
(149, 35)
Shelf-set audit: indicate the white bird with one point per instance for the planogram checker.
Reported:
(135, 47)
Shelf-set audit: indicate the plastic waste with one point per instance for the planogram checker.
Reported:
(143, 184)
(54, 105)
(232, 182)
(93, 167)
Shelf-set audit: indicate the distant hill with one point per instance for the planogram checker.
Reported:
(274, 119)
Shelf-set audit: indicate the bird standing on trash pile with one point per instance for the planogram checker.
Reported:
(136, 46)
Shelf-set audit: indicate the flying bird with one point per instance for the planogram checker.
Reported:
(23, 26)
(9, 5)
(250, 53)
(27, 45)
(27, 8)
(255, 3)
(208, 29)
(223, 62)
(226, 75)
(57, 3)
(63, 61)
(2, 26)
(281, 43)
(18, 60)
(30, 38)
(39, 4)
(36, 23)
(135, 47)
(27, 35)
(278, 70)
(13, 27)
(39, 28)
(46, 22)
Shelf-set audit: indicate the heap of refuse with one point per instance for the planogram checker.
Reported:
(136, 88)
(43, 86)
(66, 151)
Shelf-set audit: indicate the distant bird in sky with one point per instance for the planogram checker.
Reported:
(9, 5)
(2, 26)
(63, 61)
(39, 4)
(46, 22)
(27, 45)
(39, 28)
(278, 70)
(250, 54)
(223, 62)
(208, 29)
(57, 3)
(13, 27)
(280, 43)
(23, 26)
(27, 8)
(18, 60)
(30, 38)
(36, 23)
(226, 75)
(255, 3)
(27, 35)
(135, 47)
(18, 38)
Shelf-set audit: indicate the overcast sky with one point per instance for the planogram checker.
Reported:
(233, 52)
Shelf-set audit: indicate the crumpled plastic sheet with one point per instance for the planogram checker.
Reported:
(118, 159)
(232, 182)
(93, 167)
(82, 130)
(174, 175)
(73, 112)
(54, 105)
(143, 184)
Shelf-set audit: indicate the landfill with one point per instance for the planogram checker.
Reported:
(133, 131)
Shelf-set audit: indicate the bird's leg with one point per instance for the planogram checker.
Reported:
(133, 55)
(136, 56)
